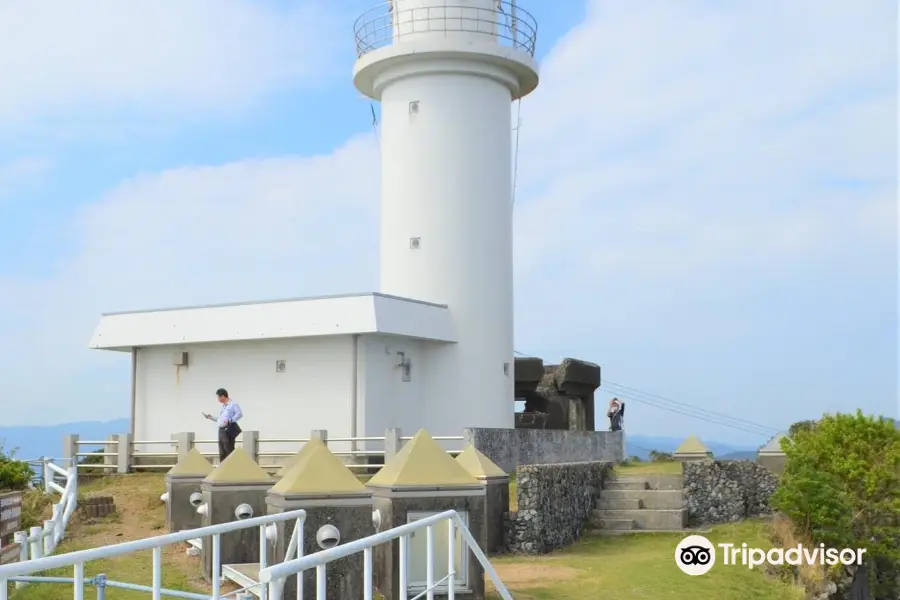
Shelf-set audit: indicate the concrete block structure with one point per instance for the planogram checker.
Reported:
(183, 493)
(771, 456)
(332, 496)
(234, 490)
(563, 396)
(299, 457)
(496, 501)
(422, 480)
(692, 449)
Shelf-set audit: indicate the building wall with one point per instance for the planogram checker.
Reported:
(313, 392)
(385, 399)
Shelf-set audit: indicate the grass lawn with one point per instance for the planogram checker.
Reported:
(140, 513)
(638, 567)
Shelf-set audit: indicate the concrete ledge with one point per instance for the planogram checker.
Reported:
(511, 448)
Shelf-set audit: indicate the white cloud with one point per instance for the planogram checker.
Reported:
(670, 147)
(21, 172)
(153, 57)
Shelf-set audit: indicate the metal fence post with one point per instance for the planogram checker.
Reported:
(392, 442)
(184, 441)
(124, 458)
(250, 444)
(99, 582)
(319, 434)
(47, 537)
(110, 448)
(70, 449)
(35, 542)
(47, 475)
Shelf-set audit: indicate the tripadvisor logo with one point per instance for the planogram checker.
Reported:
(696, 555)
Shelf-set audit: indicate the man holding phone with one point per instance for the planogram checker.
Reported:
(229, 415)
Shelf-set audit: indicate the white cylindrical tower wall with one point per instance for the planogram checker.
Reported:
(446, 79)
(446, 224)
(463, 20)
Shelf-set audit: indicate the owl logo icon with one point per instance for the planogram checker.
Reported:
(695, 555)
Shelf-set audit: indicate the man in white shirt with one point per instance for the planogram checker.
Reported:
(229, 415)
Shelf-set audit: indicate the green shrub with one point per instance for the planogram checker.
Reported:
(840, 484)
(14, 474)
(660, 456)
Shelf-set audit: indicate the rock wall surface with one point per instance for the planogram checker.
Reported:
(722, 491)
(554, 504)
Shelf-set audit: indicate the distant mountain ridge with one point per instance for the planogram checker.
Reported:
(640, 446)
(30, 442)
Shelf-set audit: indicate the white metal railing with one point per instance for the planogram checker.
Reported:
(275, 575)
(356, 449)
(507, 24)
(19, 572)
(40, 541)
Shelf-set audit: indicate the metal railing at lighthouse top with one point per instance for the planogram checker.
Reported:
(505, 23)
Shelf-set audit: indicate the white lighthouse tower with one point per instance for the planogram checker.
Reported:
(446, 73)
(433, 348)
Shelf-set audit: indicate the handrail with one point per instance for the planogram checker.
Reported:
(83, 556)
(275, 574)
(389, 22)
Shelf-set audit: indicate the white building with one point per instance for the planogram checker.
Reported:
(435, 348)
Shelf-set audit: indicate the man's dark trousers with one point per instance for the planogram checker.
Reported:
(227, 436)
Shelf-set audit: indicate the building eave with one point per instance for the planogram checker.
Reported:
(352, 314)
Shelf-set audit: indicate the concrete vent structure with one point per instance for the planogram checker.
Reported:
(692, 449)
(304, 451)
(420, 481)
(182, 483)
(771, 456)
(331, 495)
(496, 486)
(236, 489)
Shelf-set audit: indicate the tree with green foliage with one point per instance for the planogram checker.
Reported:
(841, 486)
(800, 426)
(14, 474)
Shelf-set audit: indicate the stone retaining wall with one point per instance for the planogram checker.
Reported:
(722, 491)
(510, 448)
(554, 504)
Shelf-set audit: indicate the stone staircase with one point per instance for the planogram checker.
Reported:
(634, 503)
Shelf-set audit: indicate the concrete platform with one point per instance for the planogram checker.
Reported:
(645, 518)
(653, 481)
(652, 499)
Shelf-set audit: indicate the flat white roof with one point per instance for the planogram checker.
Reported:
(272, 319)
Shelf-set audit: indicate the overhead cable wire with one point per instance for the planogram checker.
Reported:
(625, 392)
(684, 405)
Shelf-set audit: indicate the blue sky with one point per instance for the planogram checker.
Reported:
(706, 198)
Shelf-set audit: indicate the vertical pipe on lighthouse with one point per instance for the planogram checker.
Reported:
(446, 73)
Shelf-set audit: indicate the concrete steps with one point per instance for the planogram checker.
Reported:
(631, 503)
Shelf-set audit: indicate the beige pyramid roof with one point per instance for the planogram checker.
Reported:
(420, 463)
(307, 448)
(238, 468)
(479, 465)
(319, 472)
(774, 445)
(692, 445)
(193, 464)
